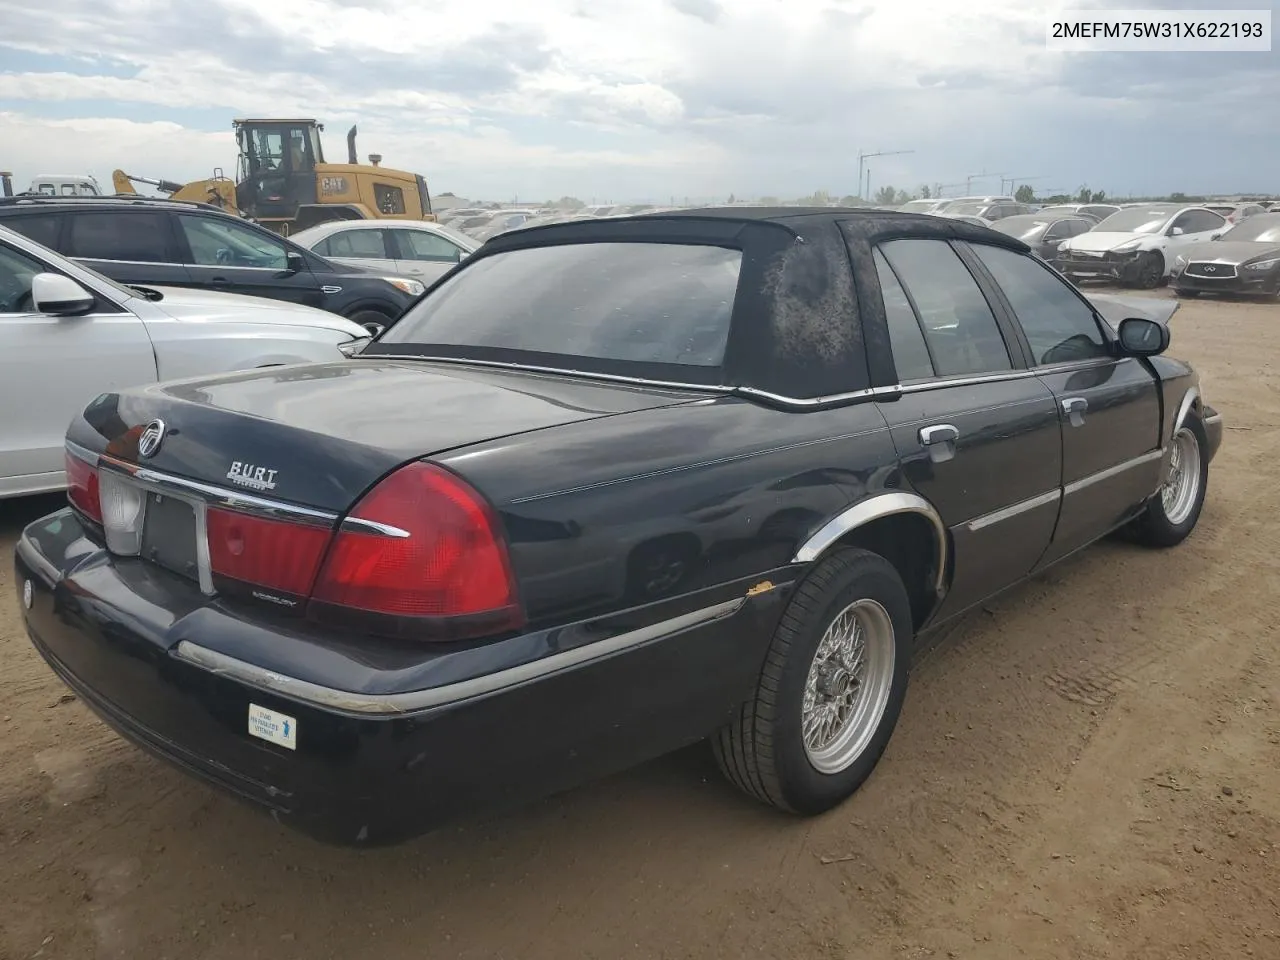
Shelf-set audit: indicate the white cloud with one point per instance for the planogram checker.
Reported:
(608, 97)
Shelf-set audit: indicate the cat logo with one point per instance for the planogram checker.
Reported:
(331, 185)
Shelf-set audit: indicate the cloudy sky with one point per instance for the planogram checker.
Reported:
(635, 99)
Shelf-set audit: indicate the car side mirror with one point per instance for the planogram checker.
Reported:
(59, 296)
(1140, 337)
(295, 262)
(1176, 231)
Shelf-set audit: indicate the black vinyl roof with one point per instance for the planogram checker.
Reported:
(808, 312)
(721, 224)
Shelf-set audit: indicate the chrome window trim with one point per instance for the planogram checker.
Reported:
(401, 703)
(915, 386)
(1014, 510)
(874, 508)
(1113, 471)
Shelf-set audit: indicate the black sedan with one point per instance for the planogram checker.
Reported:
(157, 242)
(610, 488)
(1245, 260)
(1042, 232)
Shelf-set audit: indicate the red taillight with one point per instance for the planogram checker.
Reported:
(82, 487)
(452, 564)
(273, 554)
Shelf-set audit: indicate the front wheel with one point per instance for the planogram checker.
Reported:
(372, 320)
(829, 694)
(1189, 294)
(1172, 513)
(1150, 271)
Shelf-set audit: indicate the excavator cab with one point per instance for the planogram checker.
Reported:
(277, 166)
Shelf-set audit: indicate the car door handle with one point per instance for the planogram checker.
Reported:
(940, 440)
(219, 281)
(1074, 408)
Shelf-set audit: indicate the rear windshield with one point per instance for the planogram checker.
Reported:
(616, 303)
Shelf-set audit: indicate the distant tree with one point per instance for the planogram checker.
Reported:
(1025, 194)
(1058, 198)
(1084, 196)
(568, 203)
(886, 195)
(1100, 196)
(732, 199)
(819, 198)
(926, 193)
(1178, 197)
(903, 197)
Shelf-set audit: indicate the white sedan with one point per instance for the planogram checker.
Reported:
(68, 334)
(1138, 244)
(419, 248)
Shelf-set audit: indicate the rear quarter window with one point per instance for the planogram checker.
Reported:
(625, 302)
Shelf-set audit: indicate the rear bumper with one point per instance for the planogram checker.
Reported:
(370, 766)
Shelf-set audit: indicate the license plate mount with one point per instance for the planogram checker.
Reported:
(169, 535)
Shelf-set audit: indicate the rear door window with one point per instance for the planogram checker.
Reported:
(365, 244)
(43, 229)
(136, 236)
(958, 324)
(906, 339)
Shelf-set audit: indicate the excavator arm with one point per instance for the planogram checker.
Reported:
(217, 190)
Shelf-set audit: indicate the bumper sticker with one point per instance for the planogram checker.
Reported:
(273, 727)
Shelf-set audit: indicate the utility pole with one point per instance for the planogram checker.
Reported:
(968, 181)
(878, 153)
(1014, 181)
(868, 197)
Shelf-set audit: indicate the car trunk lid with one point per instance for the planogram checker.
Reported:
(318, 435)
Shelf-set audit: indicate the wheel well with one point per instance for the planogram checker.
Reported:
(909, 542)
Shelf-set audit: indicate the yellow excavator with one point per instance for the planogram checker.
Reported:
(284, 183)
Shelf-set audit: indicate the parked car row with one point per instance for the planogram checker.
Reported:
(468, 565)
(1201, 248)
(176, 244)
(69, 333)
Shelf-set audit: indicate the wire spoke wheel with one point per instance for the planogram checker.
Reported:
(848, 686)
(1181, 487)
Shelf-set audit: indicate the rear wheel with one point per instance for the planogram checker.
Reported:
(830, 691)
(1189, 294)
(1172, 513)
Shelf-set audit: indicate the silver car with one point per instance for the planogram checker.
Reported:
(419, 249)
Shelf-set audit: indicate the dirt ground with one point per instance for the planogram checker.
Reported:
(1088, 767)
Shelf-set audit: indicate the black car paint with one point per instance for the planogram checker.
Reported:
(1194, 278)
(320, 283)
(720, 490)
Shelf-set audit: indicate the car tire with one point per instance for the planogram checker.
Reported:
(788, 746)
(375, 321)
(1189, 294)
(1171, 515)
(1150, 270)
